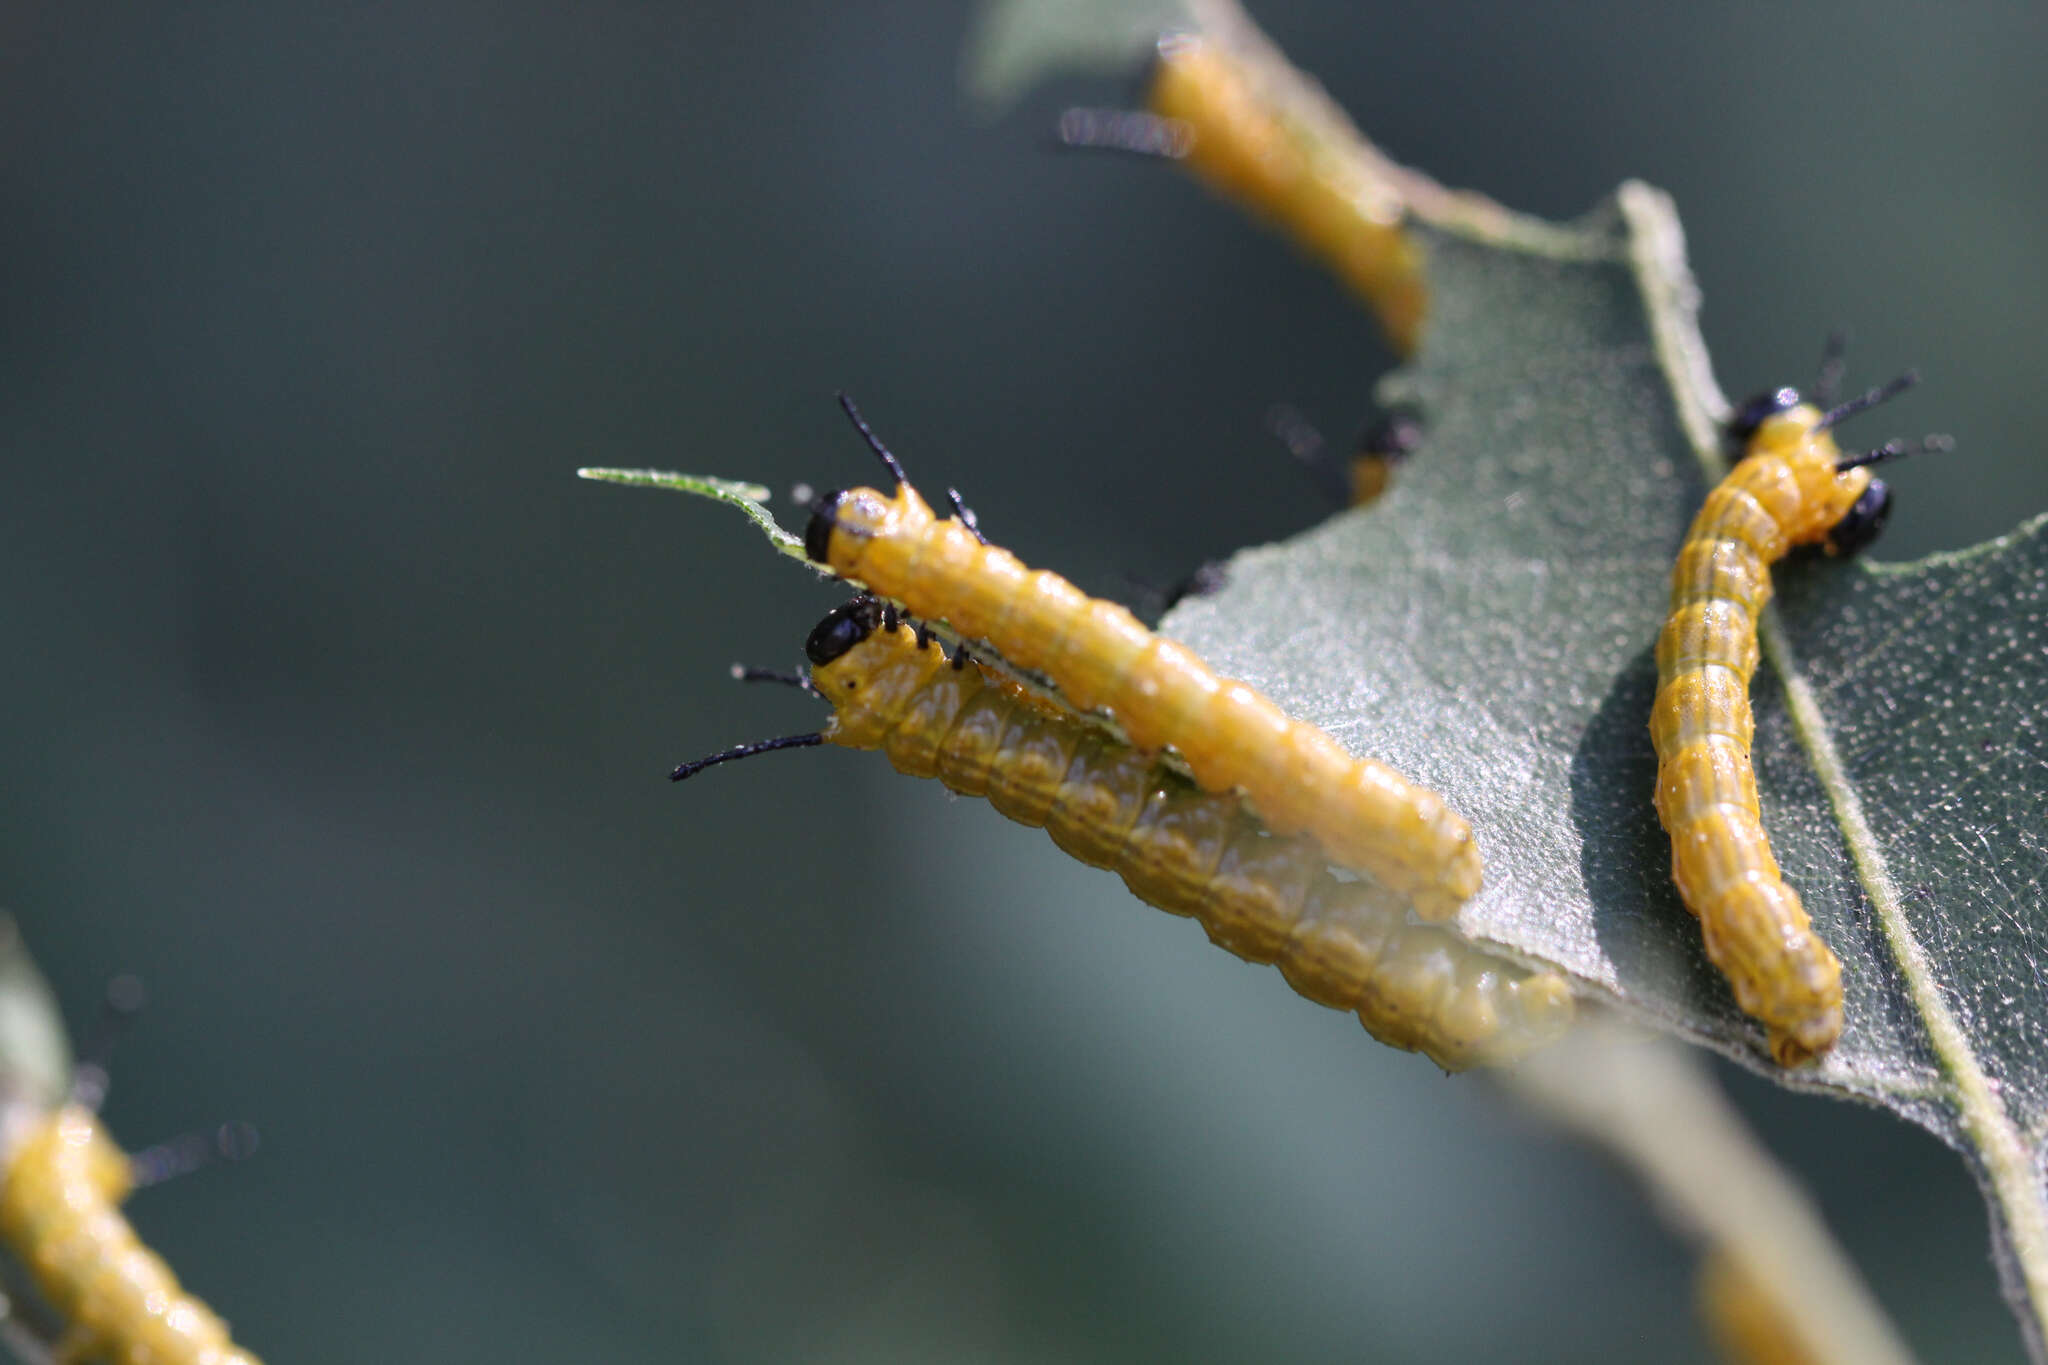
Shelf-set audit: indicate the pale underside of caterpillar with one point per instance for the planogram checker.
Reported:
(1208, 108)
(1266, 898)
(120, 1301)
(1366, 816)
(1793, 486)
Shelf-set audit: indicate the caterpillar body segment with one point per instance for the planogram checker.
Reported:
(1366, 816)
(120, 1301)
(1263, 897)
(1247, 150)
(1792, 486)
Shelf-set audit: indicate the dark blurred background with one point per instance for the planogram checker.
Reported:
(340, 709)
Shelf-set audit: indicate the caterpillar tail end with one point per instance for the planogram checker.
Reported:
(1808, 1041)
(1803, 1027)
(1459, 882)
(1435, 905)
(1525, 1015)
(1547, 1008)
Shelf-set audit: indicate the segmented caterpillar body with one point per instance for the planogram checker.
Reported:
(1266, 898)
(1792, 486)
(119, 1299)
(1366, 816)
(1248, 150)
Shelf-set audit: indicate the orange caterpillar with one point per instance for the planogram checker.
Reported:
(1206, 110)
(58, 1212)
(1366, 816)
(1792, 486)
(1345, 944)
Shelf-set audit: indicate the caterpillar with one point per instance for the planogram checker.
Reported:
(1367, 817)
(1206, 110)
(1263, 897)
(1790, 486)
(60, 1189)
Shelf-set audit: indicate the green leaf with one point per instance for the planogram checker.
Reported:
(1488, 629)
(750, 498)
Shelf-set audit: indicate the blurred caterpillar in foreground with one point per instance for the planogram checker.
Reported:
(1744, 1317)
(1367, 816)
(1345, 944)
(62, 1182)
(1792, 486)
(1206, 109)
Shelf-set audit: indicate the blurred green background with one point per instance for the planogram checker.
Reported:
(340, 710)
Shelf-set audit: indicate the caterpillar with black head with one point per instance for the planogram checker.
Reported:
(1367, 817)
(1790, 486)
(1266, 898)
(1205, 108)
(61, 1184)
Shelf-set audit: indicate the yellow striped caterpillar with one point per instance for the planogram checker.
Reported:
(1791, 486)
(1366, 816)
(1266, 898)
(1206, 109)
(59, 1193)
